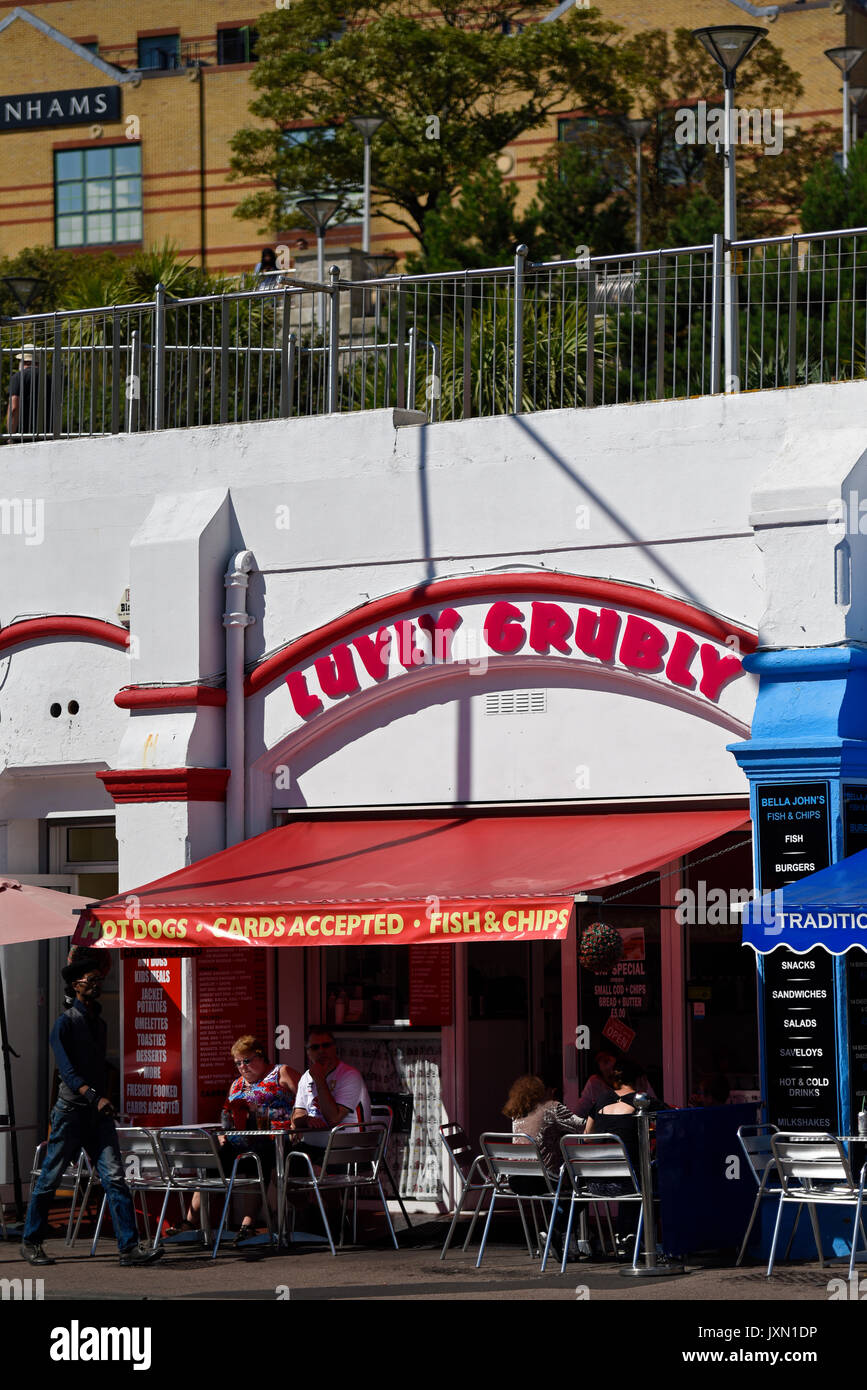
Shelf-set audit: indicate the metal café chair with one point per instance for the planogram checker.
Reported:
(755, 1141)
(351, 1161)
(506, 1157)
(814, 1172)
(191, 1162)
(472, 1176)
(384, 1115)
(594, 1158)
(80, 1176)
(144, 1171)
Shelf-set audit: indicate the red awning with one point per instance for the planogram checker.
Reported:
(340, 882)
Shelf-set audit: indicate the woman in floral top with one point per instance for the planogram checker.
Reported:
(258, 1085)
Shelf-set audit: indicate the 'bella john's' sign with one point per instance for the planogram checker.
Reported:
(475, 634)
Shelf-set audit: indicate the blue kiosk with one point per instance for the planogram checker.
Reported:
(806, 762)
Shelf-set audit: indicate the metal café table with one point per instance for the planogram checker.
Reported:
(279, 1137)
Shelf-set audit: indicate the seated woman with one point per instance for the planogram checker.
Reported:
(600, 1082)
(533, 1111)
(616, 1114)
(261, 1088)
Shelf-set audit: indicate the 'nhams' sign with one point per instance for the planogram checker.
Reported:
(83, 104)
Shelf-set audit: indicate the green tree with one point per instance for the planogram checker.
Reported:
(695, 221)
(580, 202)
(452, 96)
(834, 199)
(478, 228)
(673, 71)
(53, 269)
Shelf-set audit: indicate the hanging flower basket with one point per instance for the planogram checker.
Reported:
(601, 948)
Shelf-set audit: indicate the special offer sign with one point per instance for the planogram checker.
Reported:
(152, 1039)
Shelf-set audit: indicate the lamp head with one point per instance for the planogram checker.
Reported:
(23, 287)
(638, 128)
(844, 58)
(318, 210)
(729, 44)
(367, 125)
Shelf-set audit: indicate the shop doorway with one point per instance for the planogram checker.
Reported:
(84, 851)
(514, 1024)
(721, 1006)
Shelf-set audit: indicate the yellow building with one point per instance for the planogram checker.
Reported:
(115, 120)
(115, 123)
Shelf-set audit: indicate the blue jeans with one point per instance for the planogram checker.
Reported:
(74, 1128)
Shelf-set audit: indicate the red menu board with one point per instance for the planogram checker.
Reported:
(231, 1000)
(152, 1039)
(430, 984)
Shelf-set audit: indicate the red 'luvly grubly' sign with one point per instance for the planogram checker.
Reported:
(475, 634)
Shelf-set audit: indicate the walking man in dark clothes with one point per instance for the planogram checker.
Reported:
(83, 1119)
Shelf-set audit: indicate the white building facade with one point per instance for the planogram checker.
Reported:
(338, 620)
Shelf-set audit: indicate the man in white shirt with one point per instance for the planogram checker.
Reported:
(329, 1093)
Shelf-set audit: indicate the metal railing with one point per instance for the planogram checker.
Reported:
(593, 331)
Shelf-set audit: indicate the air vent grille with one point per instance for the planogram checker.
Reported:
(516, 702)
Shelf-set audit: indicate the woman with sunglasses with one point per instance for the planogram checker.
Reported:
(260, 1085)
(257, 1089)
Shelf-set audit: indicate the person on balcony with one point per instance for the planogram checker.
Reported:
(26, 413)
(267, 271)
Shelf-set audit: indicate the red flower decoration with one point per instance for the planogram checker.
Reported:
(601, 948)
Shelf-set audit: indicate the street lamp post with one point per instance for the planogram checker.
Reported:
(845, 59)
(368, 125)
(728, 45)
(856, 96)
(319, 212)
(638, 129)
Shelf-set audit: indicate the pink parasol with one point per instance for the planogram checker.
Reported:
(30, 913)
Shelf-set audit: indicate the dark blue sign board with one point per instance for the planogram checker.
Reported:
(79, 106)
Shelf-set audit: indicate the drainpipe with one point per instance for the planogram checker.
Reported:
(235, 620)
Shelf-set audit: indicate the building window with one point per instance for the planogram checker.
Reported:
(602, 138)
(678, 165)
(161, 51)
(236, 45)
(91, 45)
(366, 985)
(97, 196)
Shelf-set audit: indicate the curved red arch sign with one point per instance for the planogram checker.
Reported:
(484, 617)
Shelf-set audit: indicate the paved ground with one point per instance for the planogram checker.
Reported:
(415, 1273)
